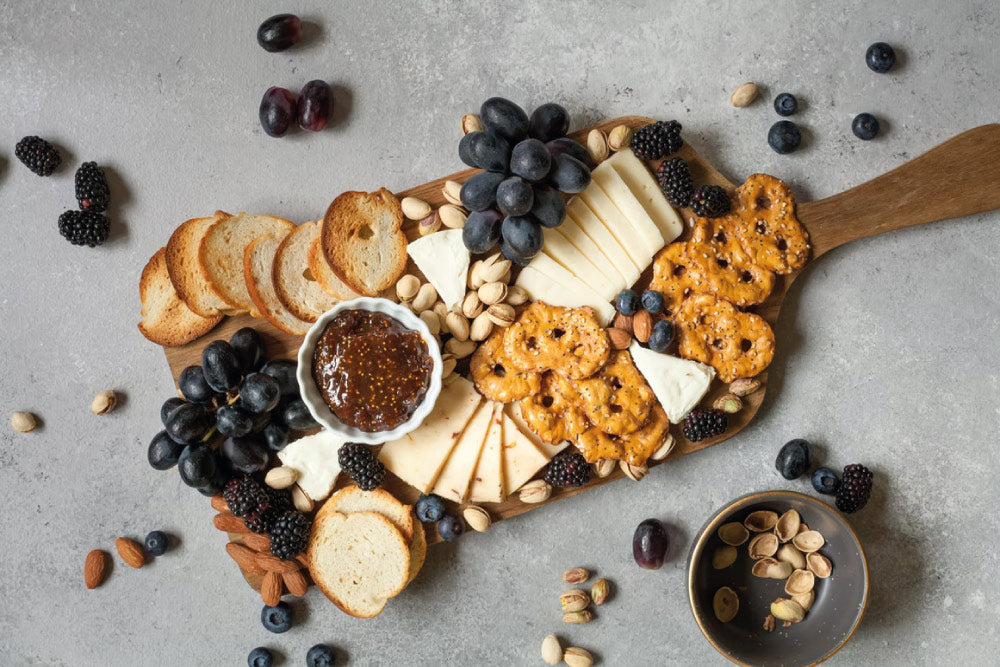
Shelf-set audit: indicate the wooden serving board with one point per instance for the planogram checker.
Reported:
(935, 186)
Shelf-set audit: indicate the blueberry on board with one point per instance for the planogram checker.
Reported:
(260, 657)
(652, 301)
(156, 543)
(530, 160)
(249, 348)
(233, 420)
(567, 146)
(880, 57)
(825, 480)
(450, 528)
(662, 334)
(221, 366)
(522, 234)
(784, 136)
(627, 302)
(514, 196)
(793, 459)
(247, 454)
(569, 174)
(549, 208)
(188, 423)
(260, 393)
(482, 230)
(865, 126)
(168, 407)
(192, 384)
(277, 618)
(163, 452)
(785, 104)
(430, 508)
(297, 417)
(275, 436)
(504, 118)
(549, 121)
(196, 465)
(513, 255)
(283, 370)
(321, 655)
(480, 192)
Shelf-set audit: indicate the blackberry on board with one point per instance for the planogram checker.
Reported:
(243, 495)
(674, 177)
(273, 505)
(855, 488)
(92, 191)
(568, 469)
(710, 201)
(37, 155)
(289, 534)
(84, 227)
(360, 464)
(657, 140)
(701, 424)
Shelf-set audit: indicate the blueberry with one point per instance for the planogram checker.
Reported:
(549, 121)
(297, 417)
(283, 370)
(784, 136)
(569, 174)
(321, 655)
(793, 459)
(482, 230)
(627, 302)
(530, 160)
(163, 452)
(880, 57)
(549, 208)
(652, 301)
(514, 197)
(522, 234)
(276, 436)
(785, 104)
(233, 420)
(825, 480)
(504, 118)
(430, 508)
(168, 407)
(221, 366)
(193, 385)
(277, 618)
(260, 393)
(662, 334)
(196, 465)
(865, 126)
(156, 543)
(247, 454)
(260, 657)
(450, 528)
(480, 192)
(249, 348)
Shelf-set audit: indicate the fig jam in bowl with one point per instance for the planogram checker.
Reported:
(369, 370)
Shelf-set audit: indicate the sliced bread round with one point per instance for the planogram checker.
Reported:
(166, 319)
(418, 551)
(351, 499)
(257, 261)
(295, 284)
(185, 271)
(324, 275)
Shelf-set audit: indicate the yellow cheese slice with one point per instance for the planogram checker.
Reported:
(488, 483)
(580, 213)
(602, 206)
(572, 232)
(642, 184)
(453, 482)
(521, 459)
(544, 280)
(566, 254)
(513, 410)
(614, 186)
(417, 457)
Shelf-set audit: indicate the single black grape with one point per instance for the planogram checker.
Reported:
(193, 385)
(549, 121)
(283, 370)
(489, 151)
(221, 366)
(163, 452)
(530, 160)
(169, 406)
(480, 192)
(249, 348)
(315, 105)
(247, 454)
(512, 255)
(275, 436)
(566, 146)
(279, 32)
(549, 209)
(522, 234)
(297, 417)
(504, 118)
(514, 196)
(189, 423)
(569, 174)
(277, 111)
(482, 230)
(196, 465)
(649, 544)
(233, 420)
(260, 392)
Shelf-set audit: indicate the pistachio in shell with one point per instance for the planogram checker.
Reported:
(725, 603)
(769, 568)
(788, 525)
(819, 565)
(762, 545)
(784, 609)
(723, 557)
(761, 520)
(805, 600)
(787, 553)
(803, 527)
(809, 541)
(800, 582)
(733, 533)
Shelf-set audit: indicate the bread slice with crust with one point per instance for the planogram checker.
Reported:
(220, 254)
(325, 276)
(351, 499)
(363, 240)
(295, 284)
(185, 271)
(418, 551)
(358, 560)
(257, 262)
(166, 318)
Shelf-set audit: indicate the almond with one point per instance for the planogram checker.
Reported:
(257, 542)
(229, 523)
(744, 95)
(219, 504)
(295, 582)
(131, 552)
(94, 568)
(642, 325)
(620, 339)
(271, 588)
(272, 564)
(623, 322)
(244, 557)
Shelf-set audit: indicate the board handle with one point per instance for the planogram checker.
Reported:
(957, 178)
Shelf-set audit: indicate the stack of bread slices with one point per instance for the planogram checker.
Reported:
(270, 268)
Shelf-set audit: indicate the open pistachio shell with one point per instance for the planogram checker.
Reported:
(723, 557)
(799, 582)
(726, 604)
(802, 528)
(733, 533)
(809, 541)
(761, 520)
(805, 600)
(788, 525)
(771, 569)
(762, 546)
(784, 609)
(819, 565)
(787, 553)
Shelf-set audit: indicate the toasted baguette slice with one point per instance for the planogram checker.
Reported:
(351, 499)
(363, 241)
(220, 254)
(418, 551)
(358, 560)
(294, 282)
(166, 319)
(185, 272)
(257, 261)
(325, 276)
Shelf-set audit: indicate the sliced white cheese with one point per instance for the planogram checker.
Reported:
(602, 206)
(453, 482)
(614, 186)
(648, 191)
(547, 281)
(595, 230)
(521, 459)
(513, 411)
(570, 258)
(571, 231)
(679, 384)
(314, 458)
(417, 457)
(444, 260)
(488, 483)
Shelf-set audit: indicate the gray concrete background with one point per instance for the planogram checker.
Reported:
(887, 347)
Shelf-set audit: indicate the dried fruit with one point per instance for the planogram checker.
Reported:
(537, 491)
(800, 582)
(104, 402)
(130, 552)
(723, 557)
(733, 533)
(787, 526)
(761, 520)
(745, 94)
(784, 609)
(574, 600)
(576, 575)
(95, 567)
(744, 386)
(477, 518)
(578, 657)
(599, 592)
(552, 652)
(578, 617)
(819, 565)
(763, 545)
(23, 422)
(726, 604)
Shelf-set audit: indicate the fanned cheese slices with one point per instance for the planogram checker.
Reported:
(488, 484)
(459, 468)
(545, 280)
(645, 188)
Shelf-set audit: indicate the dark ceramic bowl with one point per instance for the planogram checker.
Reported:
(835, 614)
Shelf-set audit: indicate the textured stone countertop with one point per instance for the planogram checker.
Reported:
(887, 347)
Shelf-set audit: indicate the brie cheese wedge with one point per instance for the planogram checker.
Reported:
(314, 458)
(444, 259)
(679, 384)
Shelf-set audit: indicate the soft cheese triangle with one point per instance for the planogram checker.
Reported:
(314, 457)
(444, 259)
(645, 188)
(679, 384)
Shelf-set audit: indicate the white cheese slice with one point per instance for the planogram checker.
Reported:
(314, 458)
(642, 184)
(679, 384)
(417, 457)
(602, 206)
(579, 212)
(614, 186)
(453, 482)
(566, 254)
(571, 231)
(444, 260)
(514, 412)
(488, 482)
(521, 459)
(547, 281)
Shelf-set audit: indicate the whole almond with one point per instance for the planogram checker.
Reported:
(620, 137)
(578, 657)
(471, 123)
(271, 588)
(407, 287)
(516, 295)
(477, 518)
(597, 145)
(130, 552)
(104, 402)
(429, 224)
(95, 567)
(273, 564)
(575, 575)
(458, 326)
(745, 94)
(623, 322)
(219, 504)
(301, 499)
(414, 208)
(432, 321)
(492, 293)
(229, 523)
(281, 477)
(599, 592)
(257, 542)
(501, 314)
(460, 349)
(642, 325)
(620, 339)
(296, 583)
(452, 192)
(578, 617)
(244, 557)
(425, 298)
(452, 216)
(604, 467)
(23, 422)
(471, 305)
(536, 491)
(552, 653)
(481, 328)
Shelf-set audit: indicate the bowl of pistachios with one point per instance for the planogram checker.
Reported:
(777, 578)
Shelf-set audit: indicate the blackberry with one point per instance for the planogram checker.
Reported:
(361, 465)
(84, 227)
(289, 534)
(657, 140)
(855, 488)
(701, 424)
(273, 504)
(674, 176)
(92, 191)
(37, 155)
(243, 495)
(710, 201)
(568, 469)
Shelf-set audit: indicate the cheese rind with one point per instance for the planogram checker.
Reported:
(642, 184)
(521, 459)
(488, 482)
(314, 458)
(679, 384)
(444, 260)
(567, 255)
(618, 191)
(572, 232)
(547, 281)
(592, 226)
(637, 248)
(453, 482)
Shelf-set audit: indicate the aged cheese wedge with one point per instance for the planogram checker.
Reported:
(642, 184)
(513, 411)
(521, 459)
(579, 212)
(444, 260)
(544, 280)
(678, 383)
(418, 457)
(614, 186)
(566, 254)
(572, 232)
(488, 482)
(453, 482)
(314, 457)
(602, 206)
